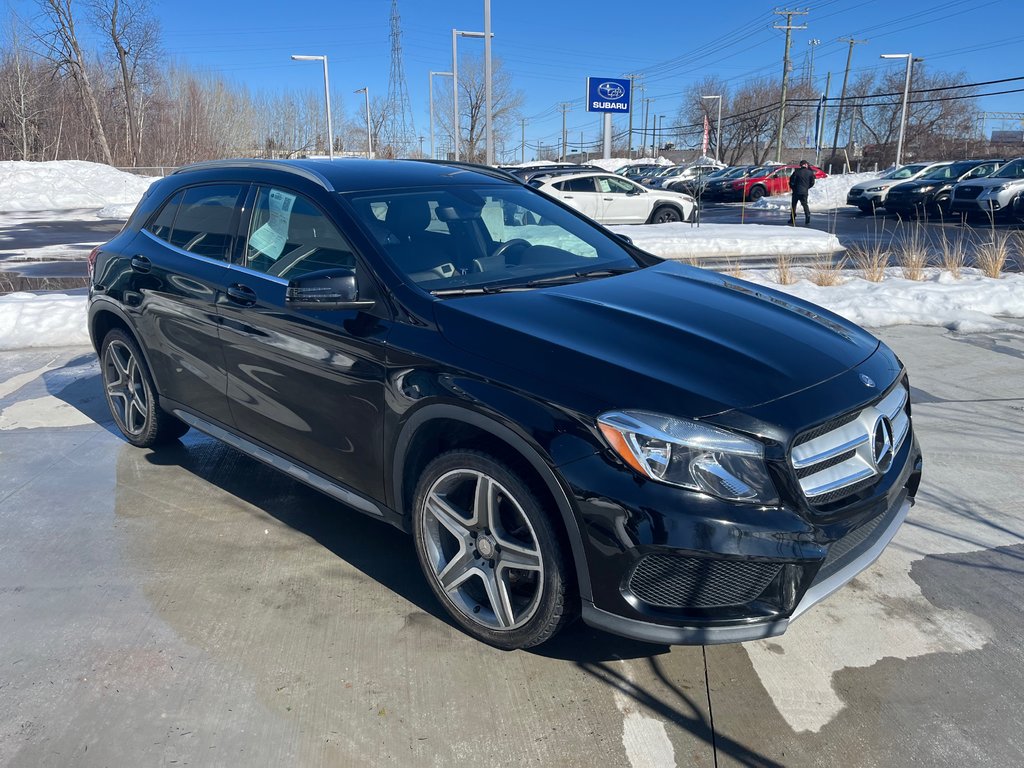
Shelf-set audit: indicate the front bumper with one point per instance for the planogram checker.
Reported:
(866, 199)
(982, 204)
(765, 566)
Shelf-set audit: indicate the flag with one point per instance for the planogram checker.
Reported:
(707, 132)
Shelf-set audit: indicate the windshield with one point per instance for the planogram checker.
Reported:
(1012, 170)
(906, 171)
(481, 238)
(954, 171)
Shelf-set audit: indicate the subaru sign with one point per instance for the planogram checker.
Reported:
(607, 94)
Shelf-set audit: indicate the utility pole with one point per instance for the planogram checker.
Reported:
(814, 43)
(842, 93)
(820, 128)
(647, 109)
(629, 152)
(785, 72)
(564, 106)
(522, 156)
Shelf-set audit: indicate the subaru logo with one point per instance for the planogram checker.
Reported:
(881, 444)
(867, 381)
(611, 91)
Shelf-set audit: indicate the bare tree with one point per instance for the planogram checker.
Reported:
(134, 36)
(61, 46)
(506, 102)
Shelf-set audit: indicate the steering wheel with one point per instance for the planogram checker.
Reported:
(514, 242)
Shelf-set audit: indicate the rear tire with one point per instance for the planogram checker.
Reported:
(756, 193)
(489, 551)
(131, 396)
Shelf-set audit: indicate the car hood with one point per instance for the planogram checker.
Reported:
(670, 338)
(884, 183)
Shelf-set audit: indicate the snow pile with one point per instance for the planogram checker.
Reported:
(64, 184)
(826, 194)
(686, 241)
(969, 305)
(614, 163)
(42, 320)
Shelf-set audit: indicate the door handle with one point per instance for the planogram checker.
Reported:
(568, 197)
(241, 294)
(141, 264)
(609, 199)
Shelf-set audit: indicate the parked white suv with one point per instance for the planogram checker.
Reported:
(869, 195)
(993, 194)
(611, 199)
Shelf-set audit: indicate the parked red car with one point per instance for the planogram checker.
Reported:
(774, 181)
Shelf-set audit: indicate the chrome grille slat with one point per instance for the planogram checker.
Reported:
(836, 459)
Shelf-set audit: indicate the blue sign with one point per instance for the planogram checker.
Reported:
(607, 94)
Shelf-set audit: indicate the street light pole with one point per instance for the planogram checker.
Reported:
(456, 34)
(369, 136)
(489, 135)
(327, 99)
(433, 154)
(906, 97)
(718, 127)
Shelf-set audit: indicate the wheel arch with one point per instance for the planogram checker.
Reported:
(439, 427)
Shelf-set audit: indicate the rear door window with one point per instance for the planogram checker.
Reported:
(206, 220)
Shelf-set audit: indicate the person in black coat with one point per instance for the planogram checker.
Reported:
(801, 182)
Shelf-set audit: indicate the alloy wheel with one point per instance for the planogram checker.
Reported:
(125, 388)
(482, 550)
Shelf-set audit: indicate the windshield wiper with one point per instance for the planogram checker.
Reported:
(554, 280)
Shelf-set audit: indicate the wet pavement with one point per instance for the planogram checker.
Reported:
(191, 606)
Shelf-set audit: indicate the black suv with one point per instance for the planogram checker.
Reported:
(929, 195)
(564, 423)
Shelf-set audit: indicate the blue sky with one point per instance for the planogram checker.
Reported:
(551, 47)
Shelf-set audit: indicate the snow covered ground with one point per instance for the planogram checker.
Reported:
(687, 242)
(68, 184)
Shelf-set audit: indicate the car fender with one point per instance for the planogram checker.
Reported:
(518, 442)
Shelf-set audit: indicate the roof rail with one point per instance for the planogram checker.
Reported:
(273, 165)
(487, 170)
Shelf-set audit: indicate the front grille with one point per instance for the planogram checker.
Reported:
(967, 193)
(677, 581)
(838, 459)
(856, 192)
(850, 546)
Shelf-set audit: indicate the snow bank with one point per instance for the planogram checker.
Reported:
(826, 194)
(65, 184)
(686, 241)
(42, 320)
(970, 304)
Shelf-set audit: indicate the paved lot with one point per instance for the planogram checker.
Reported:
(190, 606)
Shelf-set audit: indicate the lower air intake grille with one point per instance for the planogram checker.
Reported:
(675, 581)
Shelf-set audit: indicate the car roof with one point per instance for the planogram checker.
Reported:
(352, 174)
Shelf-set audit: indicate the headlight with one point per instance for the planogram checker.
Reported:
(874, 189)
(690, 454)
(926, 188)
(1000, 188)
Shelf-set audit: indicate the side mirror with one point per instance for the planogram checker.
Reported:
(326, 289)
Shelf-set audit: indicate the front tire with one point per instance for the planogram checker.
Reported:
(131, 396)
(756, 193)
(489, 551)
(665, 214)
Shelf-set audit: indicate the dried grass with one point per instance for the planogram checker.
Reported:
(912, 252)
(784, 270)
(871, 260)
(992, 255)
(827, 270)
(953, 253)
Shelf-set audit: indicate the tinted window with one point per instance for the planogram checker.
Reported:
(163, 222)
(289, 236)
(617, 186)
(204, 224)
(577, 185)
